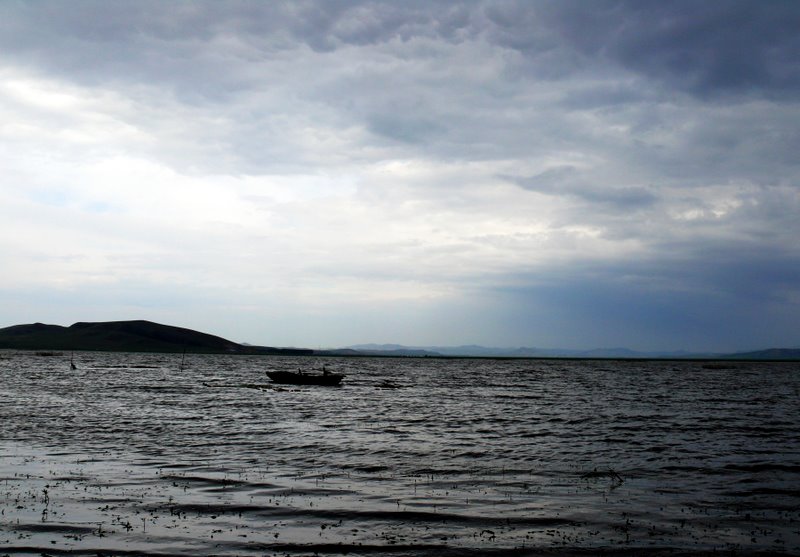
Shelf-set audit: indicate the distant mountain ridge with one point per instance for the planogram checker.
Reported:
(526, 352)
(520, 352)
(126, 336)
(769, 354)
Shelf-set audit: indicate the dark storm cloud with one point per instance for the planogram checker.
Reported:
(706, 48)
(703, 47)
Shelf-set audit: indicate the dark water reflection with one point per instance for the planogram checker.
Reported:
(409, 457)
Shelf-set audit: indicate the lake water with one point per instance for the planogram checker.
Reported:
(130, 454)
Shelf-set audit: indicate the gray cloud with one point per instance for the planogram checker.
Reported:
(568, 180)
(432, 158)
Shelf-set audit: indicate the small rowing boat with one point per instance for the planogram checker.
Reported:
(300, 378)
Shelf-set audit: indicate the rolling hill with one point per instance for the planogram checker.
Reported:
(126, 336)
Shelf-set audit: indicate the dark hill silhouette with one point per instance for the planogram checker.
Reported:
(126, 336)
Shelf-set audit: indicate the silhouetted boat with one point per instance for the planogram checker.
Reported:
(293, 378)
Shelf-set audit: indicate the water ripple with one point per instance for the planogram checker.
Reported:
(131, 454)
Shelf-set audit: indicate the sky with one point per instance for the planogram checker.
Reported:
(553, 174)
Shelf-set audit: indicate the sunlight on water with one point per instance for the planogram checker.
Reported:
(409, 457)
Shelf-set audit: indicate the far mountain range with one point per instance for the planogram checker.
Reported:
(476, 351)
(146, 336)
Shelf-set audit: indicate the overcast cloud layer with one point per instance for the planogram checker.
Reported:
(551, 174)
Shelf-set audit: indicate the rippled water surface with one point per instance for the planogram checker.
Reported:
(141, 453)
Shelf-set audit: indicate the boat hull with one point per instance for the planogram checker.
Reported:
(292, 378)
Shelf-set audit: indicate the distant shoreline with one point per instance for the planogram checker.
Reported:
(729, 361)
(146, 336)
